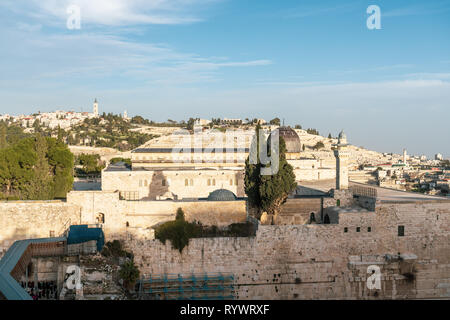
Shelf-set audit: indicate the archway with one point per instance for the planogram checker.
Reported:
(326, 220)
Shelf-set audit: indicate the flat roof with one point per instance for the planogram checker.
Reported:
(383, 194)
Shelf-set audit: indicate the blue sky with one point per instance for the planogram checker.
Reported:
(313, 63)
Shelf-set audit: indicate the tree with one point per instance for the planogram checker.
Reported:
(269, 192)
(275, 121)
(129, 273)
(179, 214)
(190, 124)
(297, 126)
(41, 185)
(329, 136)
(3, 141)
(319, 145)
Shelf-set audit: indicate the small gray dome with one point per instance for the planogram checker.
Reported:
(221, 195)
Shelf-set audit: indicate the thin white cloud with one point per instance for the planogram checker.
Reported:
(418, 9)
(113, 12)
(429, 75)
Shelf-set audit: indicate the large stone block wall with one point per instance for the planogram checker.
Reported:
(121, 217)
(34, 219)
(324, 261)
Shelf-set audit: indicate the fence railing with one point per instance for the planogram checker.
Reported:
(364, 191)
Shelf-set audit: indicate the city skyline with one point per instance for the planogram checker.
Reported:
(314, 65)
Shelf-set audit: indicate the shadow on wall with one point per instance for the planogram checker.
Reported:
(158, 186)
(239, 178)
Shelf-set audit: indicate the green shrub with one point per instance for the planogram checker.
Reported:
(114, 249)
(129, 273)
(180, 214)
(178, 232)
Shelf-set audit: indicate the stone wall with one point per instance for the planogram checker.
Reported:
(120, 219)
(324, 261)
(34, 219)
(123, 219)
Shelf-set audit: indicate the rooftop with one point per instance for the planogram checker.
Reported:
(383, 194)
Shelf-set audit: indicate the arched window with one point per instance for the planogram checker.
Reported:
(213, 182)
(191, 182)
(186, 182)
(145, 183)
(209, 182)
(312, 218)
(100, 218)
(326, 220)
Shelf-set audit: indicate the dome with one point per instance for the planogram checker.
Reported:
(221, 195)
(291, 139)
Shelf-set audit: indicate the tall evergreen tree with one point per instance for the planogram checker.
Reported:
(3, 142)
(269, 192)
(41, 185)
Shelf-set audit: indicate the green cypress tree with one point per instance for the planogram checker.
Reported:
(3, 142)
(269, 192)
(41, 185)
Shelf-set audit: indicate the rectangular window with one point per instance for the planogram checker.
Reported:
(163, 182)
(358, 229)
(345, 230)
(401, 231)
(209, 182)
(52, 233)
(369, 229)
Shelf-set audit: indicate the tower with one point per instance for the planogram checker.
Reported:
(341, 153)
(404, 156)
(95, 109)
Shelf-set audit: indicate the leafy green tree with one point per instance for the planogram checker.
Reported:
(275, 121)
(129, 273)
(319, 145)
(190, 124)
(269, 192)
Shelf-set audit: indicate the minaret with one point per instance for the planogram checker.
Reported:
(404, 156)
(95, 111)
(341, 153)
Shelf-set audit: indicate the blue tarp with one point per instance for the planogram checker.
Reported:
(83, 233)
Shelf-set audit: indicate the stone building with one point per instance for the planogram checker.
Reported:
(183, 171)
